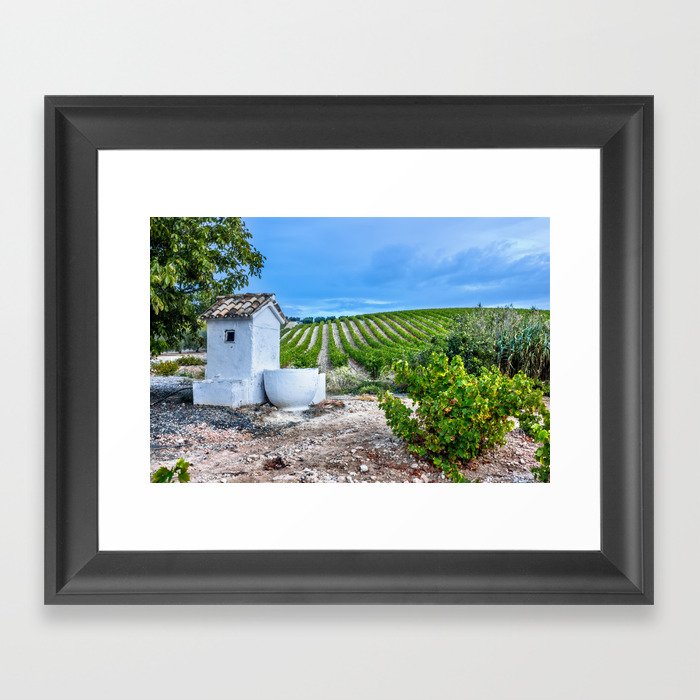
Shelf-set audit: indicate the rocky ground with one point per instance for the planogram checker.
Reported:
(345, 439)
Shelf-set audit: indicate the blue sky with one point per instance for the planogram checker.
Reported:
(342, 266)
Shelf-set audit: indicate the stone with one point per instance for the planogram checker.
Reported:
(364, 468)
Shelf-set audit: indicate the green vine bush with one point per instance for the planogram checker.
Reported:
(191, 361)
(457, 415)
(179, 472)
(166, 368)
(336, 356)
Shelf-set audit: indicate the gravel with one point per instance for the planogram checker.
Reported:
(341, 440)
(162, 388)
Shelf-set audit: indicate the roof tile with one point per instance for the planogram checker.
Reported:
(241, 305)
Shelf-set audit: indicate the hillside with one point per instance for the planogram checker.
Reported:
(366, 342)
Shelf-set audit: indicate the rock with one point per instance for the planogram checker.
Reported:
(364, 468)
(275, 463)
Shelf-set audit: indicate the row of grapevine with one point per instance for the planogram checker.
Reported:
(336, 355)
(303, 348)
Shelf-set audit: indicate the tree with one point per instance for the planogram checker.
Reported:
(194, 260)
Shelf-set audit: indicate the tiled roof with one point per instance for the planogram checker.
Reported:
(241, 305)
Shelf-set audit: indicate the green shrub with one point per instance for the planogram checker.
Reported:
(191, 361)
(457, 415)
(544, 386)
(180, 471)
(166, 368)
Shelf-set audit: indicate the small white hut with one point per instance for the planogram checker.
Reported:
(243, 340)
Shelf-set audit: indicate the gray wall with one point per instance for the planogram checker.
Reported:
(370, 46)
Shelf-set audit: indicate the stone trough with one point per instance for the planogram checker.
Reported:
(294, 389)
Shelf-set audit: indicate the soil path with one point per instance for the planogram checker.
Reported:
(389, 329)
(312, 340)
(323, 362)
(407, 327)
(354, 325)
(292, 334)
(302, 337)
(346, 330)
(423, 326)
(369, 328)
(356, 366)
(376, 330)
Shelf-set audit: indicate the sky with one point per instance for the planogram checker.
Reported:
(345, 266)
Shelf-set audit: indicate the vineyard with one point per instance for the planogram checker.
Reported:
(369, 343)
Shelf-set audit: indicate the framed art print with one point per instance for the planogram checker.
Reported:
(349, 349)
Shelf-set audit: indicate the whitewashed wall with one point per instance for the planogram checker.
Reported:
(231, 360)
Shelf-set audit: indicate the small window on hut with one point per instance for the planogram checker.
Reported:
(230, 336)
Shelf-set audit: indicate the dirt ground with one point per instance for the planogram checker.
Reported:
(345, 439)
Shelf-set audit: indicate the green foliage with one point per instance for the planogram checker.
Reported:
(537, 427)
(544, 386)
(336, 356)
(166, 368)
(513, 340)
(193, 260)
(304, 355)
(191, 361)
(180, 471)
(376, 387)
(372, 354)
(192, 340)
(457, 415)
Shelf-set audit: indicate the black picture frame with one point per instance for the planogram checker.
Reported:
(76, 572)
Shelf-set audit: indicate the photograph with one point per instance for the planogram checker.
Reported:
(349, 350)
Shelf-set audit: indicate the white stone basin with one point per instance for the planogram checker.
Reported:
(291, 389)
